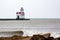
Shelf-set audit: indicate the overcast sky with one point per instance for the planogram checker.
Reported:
(32, 8)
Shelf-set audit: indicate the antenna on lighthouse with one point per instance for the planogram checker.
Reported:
(21, 9)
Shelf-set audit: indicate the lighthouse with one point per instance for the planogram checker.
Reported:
(20, 14)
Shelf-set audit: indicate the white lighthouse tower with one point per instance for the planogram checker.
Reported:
(21, 13)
